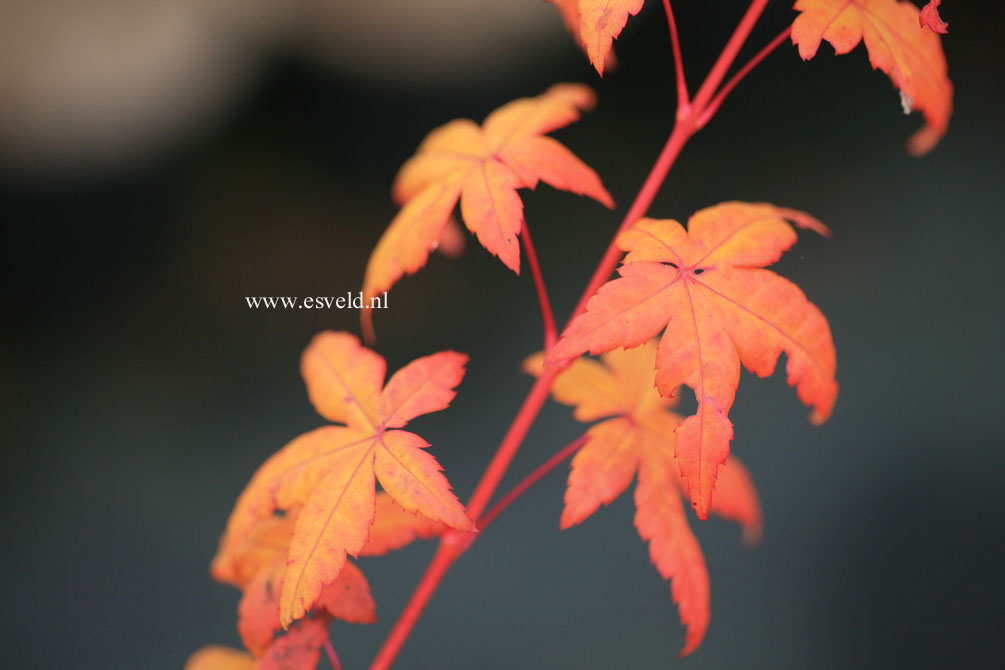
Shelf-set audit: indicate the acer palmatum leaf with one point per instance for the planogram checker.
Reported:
(897, 45)
(347, 598)
(673, 549)
(600, 23)
(330, 473)
(704, 288)
(258, 562)
(595, 24)
(638, 437)
(482, 166)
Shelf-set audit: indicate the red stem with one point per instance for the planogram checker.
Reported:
(454, 543)
(547, 317)
(332, 656)
(713, 105)
(528, 481)
(442, 560)
(683, 99)
(728, 55)
(682, 132)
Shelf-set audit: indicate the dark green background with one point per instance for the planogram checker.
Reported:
(140, 393)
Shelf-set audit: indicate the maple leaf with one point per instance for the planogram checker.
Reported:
(929, 17)
(331, 472)
(605, 30)
(639, 438)
(263, 555)
(911, 57)
(705, 286)
(600, 22)
(257, 563)
(482, 166)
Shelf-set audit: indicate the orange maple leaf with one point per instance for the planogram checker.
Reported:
(331, 471)
(604, 21)
(600, 22)
(256, 565)
(482, 166)
(929, 17)
(263, 554)
(912, 57)
(639, 438)
(705, 287)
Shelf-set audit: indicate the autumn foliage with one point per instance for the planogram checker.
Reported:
(704, 286)
(482, 166)
(912, 57)
(638, 436)
(690, 306)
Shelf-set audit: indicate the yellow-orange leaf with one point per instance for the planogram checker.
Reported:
(569, 9)
(335, 521)
(897, 45)
(214, 657)
(343, 378)
(265, 549)
(673, 549)
(483, 166)
(704, 288)
(329, 474)
(639, 437)
(600, 22)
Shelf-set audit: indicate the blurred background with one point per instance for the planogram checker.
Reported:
(162, 159)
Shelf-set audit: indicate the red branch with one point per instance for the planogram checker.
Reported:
(683, 99)
(454, 543)
(713, 105)
(531, 479)
(547, 317)
(728, 55)
(332, 656)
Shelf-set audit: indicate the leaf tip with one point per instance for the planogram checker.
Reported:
(366, 326)
(929, 18)
(806, 221)
(700, 510)
(924, 140)
(751, 535)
